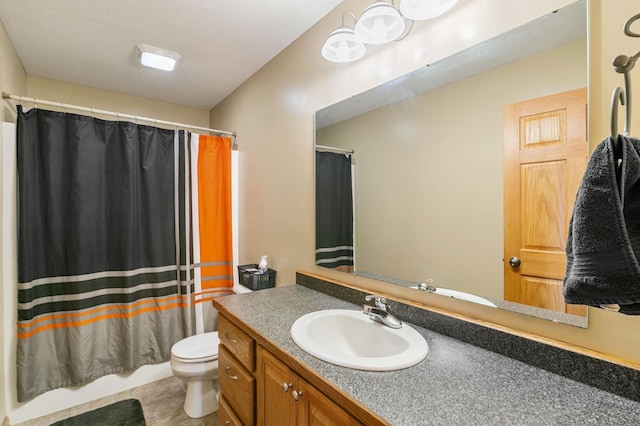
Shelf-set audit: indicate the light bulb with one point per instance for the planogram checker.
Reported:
(378, 31)
(380, 23)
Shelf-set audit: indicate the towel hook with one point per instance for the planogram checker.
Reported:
(627, 26)
(622, 64)
(618, 95)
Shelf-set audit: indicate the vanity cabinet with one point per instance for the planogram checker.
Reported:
(284, 398)
(236, 366)
(260, 384)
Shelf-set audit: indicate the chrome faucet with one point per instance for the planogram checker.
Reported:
(427, 286)
(380, 312)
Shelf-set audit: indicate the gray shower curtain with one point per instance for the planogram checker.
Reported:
(97, 254)
(334, 211)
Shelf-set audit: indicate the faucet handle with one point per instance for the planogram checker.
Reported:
(380, 301)
(428, 285)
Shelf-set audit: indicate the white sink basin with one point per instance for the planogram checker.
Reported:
(351, 339)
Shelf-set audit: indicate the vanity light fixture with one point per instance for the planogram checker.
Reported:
(419, 10)
(342, 45)
(380, 23)
(155, 57)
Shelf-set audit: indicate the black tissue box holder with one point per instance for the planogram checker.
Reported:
(251, 277)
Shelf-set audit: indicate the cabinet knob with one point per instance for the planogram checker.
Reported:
(226, 370)
(296, 395)
(286, 386)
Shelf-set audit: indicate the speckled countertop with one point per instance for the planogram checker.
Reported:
(457, 384)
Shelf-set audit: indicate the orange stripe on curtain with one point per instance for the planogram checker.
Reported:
(80, 318)
(214, 208)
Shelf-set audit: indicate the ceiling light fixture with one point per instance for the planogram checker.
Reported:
(380, 23)
(155, 57)
(342, 45)
(419, 10)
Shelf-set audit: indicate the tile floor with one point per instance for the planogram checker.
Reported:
(161, 403)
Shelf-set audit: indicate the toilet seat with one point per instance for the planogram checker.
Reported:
(197, 348)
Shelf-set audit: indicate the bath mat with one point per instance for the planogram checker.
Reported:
(123, 413)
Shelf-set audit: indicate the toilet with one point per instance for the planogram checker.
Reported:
(195, 360)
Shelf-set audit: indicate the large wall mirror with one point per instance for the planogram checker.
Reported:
(424, 160)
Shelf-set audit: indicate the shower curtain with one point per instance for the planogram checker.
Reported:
(334, 211)
(105, 248)
(212, 247)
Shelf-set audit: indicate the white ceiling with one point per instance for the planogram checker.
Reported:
(93, 42)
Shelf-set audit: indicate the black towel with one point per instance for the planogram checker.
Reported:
(603, 247)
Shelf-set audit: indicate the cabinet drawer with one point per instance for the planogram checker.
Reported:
(226, 416)
(241, 345)
(237, 386)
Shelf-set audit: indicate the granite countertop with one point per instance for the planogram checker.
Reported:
(457, 383)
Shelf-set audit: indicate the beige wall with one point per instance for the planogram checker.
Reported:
(12, 79)
(428, 173)
(609, 41)
(90, 97)
(273, 116)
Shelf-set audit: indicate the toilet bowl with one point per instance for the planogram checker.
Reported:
(195, 360)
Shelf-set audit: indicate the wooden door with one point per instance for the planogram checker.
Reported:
(275, 386)
(545, 155)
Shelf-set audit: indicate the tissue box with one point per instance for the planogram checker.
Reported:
(251, 277)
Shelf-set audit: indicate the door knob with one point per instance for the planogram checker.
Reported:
(515, 261)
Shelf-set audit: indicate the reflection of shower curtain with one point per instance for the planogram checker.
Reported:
(334, 211)
(98, 261)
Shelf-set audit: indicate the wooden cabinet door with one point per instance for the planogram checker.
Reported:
(545, 155)
(286, 399)
(315, 409)
(276, 406)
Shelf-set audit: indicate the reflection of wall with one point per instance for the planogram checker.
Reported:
(429, 173)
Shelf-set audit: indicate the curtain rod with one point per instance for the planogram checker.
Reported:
(137, 118)
(330, 148)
